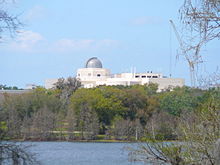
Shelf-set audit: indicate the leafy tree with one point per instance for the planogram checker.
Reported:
(151, 89)
(18, 109)
(10, 127)
(104, 103)
(134, 100)
(82, 105)
(178, 101)
(4, 87)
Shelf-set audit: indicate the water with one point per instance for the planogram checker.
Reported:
(71, 153)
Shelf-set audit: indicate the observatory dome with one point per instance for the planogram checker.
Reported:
(93, 62)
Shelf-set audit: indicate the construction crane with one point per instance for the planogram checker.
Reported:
(192, 59)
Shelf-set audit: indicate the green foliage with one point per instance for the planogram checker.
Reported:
(134, 100)
(19, 110)
(4, 87)
(103, 103)
(119, 112)
(179, 100)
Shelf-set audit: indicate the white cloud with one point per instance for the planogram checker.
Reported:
(36, 12)
(146, 20)
(70, 44)
(107, 43)
(84, 44)
(26, 41)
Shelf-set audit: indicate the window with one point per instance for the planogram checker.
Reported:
(89, 74)
(98, 75)
(137, 76)
(148, 76)
(155, 76)
(78, 74)
(143, 76)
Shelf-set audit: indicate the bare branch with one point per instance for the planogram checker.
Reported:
(8, 23)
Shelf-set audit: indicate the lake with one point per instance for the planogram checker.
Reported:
(68, 153)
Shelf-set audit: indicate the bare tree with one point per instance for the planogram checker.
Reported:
(127, 129)
(13, 119)
(210, 81)
(8, 22)
(43, 124)
(16, 154)
(12, 153)
(201, 24)
(158, 153)
(217, 152)
(202, 16)
(71, 84)
(85, 120)
(67, 87)
(71, 119)
(198, 135)
(161, 126)
(88, 122)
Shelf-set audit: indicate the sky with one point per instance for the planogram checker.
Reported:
(58, 37)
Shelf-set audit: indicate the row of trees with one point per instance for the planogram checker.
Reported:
(111, 112)
(5, 87)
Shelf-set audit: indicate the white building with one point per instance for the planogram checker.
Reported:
(94, 75)
(30, 86)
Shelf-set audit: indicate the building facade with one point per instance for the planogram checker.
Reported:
(93, 75)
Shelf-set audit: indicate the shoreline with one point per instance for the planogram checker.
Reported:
(87, 141)
(74, 141)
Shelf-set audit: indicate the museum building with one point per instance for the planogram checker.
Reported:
(93, 75)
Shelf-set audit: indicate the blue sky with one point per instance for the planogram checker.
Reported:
(59, 36)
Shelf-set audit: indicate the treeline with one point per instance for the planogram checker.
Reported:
(5, 87)
(69, 112)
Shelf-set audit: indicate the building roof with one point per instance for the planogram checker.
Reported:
(20, 91)
(93, 62)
